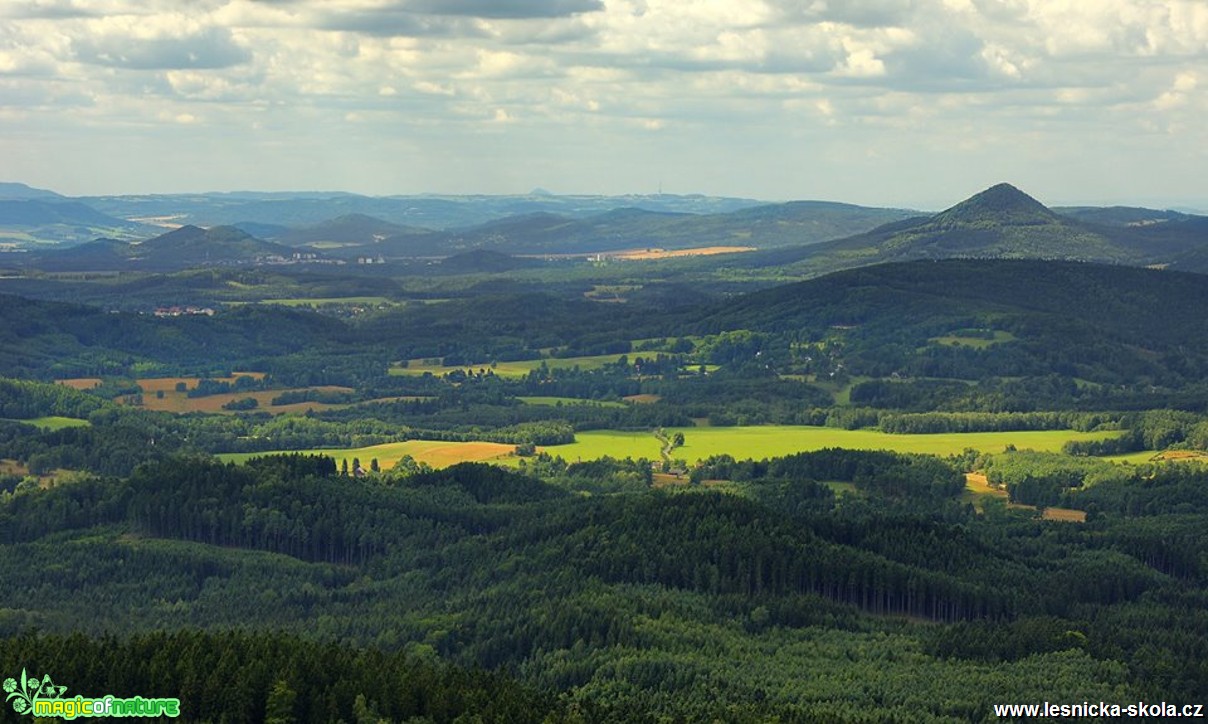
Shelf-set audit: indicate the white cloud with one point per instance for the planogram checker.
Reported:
(768, 78)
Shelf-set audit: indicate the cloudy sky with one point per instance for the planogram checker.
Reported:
(890, 102)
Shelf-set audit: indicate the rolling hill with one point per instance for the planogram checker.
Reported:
(347, 230)
(767, 226)
(183, 248)
(38, 218)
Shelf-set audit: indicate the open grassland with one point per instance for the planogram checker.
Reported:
(81, 383)
(643, 399)
(161, 395)
(556, 401)
(505, 369)
(1155, 456)
(436, 453)
(958, 340)
(12, 467)
(168, 384)
(54, 422)
(765, 441)
(1061, 515)
(180, 402)
(329, 301)
(46, 480)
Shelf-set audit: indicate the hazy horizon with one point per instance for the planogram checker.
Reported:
(904, 103)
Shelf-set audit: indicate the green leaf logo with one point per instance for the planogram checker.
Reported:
(31, 689)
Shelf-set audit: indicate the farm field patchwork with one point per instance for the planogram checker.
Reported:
(437, 453)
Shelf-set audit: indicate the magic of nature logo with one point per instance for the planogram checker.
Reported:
(41, 697)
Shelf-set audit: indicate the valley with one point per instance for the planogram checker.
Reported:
(876, 465)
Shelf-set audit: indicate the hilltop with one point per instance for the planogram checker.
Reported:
(1001, 221)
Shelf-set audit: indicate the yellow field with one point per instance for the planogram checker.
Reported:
(168, 384)
(436, 453)
(643, 399)
(977, 487)
(763, 441)
(180, 402)
(677, 253)
(978, 484)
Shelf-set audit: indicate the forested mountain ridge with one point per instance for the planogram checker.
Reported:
(764, 226)
(1096, 322)
(1111, 324)
(1000, 222)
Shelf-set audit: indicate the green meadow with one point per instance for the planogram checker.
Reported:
(959, 340)
(756, 441)
(518, 368)
(55, 422)
(763, 441)
(547, 401)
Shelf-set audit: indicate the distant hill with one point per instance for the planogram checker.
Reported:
(41, 338)
(191, 246)
(268, 232)
(296, 210)
(485, 261)
(183, 248)
(38, 212)
(1119, 215)
(800, 222)
(347, 230)
(48, 218)
(10, 190)
(1195, 227)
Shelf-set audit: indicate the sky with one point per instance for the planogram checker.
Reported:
(913, 103)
